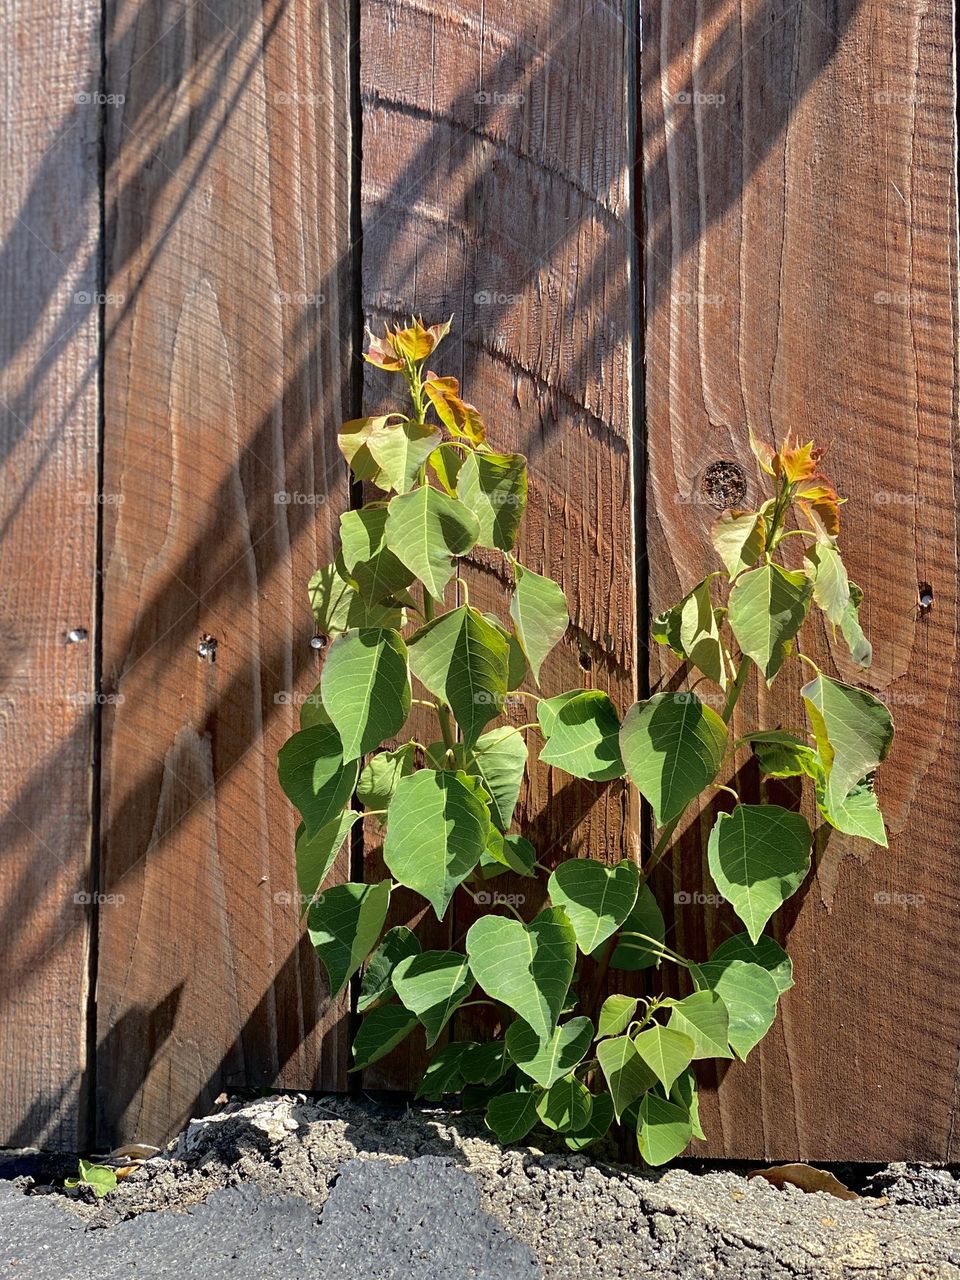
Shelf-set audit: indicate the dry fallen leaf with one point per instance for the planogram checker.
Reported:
(807, 1178)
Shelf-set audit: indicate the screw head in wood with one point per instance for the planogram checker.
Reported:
(76, 635)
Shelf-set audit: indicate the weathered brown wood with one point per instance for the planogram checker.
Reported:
(49, 69)
(495, 184)
(801, 271)
(227, 370)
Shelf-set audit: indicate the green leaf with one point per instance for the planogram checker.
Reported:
(672, 746)
(632, 953)
(750, 994)
(343, 924)
(615, 1015)
(766, 952)
(436, 831)
(684, 1094)
(784, 755)
(398, 943)
(485, 1063)
(463, 660)
(99, 1177)
(499, 758)
(703, 1017)
(366, 689)
(527, 967)
(313, 712)
(664, 1130)
(380, 1031)
(584, 739)
(858, 814)
(353, 440)
(626, 1073)
(758, 855)
(432, 985)
(831, 587)
(739, 538)
(861, 650)
(597, 898)
(566, 1106)
(494, 487)
(700, 634)
(425, 529)
(400, 449)
(511, 1116)
(509, 853)
(380, 775)
(666, 1052)
(365, 558)
(315, 857)
(549, 708)
(601, 1118)
(545, 1061)
(337, 607)
(539, 612)
(853, 732)
(444, 1073)
(767, 608)
(315, 777)
(445, 462)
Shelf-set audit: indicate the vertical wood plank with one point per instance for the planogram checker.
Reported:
(49, 215)
(227, 370)
(800, 274)
(495, 186)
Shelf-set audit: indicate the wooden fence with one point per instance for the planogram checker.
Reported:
(753, 220)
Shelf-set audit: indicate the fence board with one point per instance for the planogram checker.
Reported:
(227, 360)
(496, 151)
(801, 273)
(49, 70)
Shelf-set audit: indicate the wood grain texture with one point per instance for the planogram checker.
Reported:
(49, 68)
(496, 158)
(800, 273)
(227, 364)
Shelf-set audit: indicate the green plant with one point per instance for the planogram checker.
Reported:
(567, 1058)
(100, 1177)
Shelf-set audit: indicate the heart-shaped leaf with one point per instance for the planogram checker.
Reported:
(425, 529)
(539, 612)
(499, 758)
(666, 1052)
(831, 587)
(703, 1017)
(379, 1032)
(601, 1118)
(400, 449)
(511, 1116)
(547, 1060)
(739, 538)
(432, 985)
(750, 994)
(672, 747)
(664, 1129)
(585, 738)
(366, 689)
(626, 1073)
(853, 730)
(767, 607)
(380, 775)
(365, 560)
(597, 898)
(858, 814)
(463, 660)
(494, 487)
(315, 777)
(758, 855)
(784, 755)
(437, 829)
(616, 1014)
(343, 924)
(337, 607)
(315, 857)
(566, 1106)
(444, 1073)
(700, 634)
(398, 943)
(766, 952)
(527, 967)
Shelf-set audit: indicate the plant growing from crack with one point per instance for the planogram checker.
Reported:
(567, 1057)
